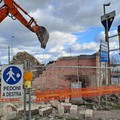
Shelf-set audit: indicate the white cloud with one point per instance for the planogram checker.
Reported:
(56, 49)
(62, 19)
(43, 58)
(60, 38)
(90, 47)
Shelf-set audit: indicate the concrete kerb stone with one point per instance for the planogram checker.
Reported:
(54, 103)
(60, 109)
(88, 113)
(67, 100)
(74, 109)
(2, 112)
(45, 111)
(66, 107)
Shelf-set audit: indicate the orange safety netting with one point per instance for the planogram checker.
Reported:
(75, 93)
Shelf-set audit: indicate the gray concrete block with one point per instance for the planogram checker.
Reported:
(74, 109)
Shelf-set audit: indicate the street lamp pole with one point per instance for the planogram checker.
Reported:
(8, 54)
(104, 5)
(12, 47)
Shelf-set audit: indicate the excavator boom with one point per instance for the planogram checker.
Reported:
(3, 12)
(10, 6)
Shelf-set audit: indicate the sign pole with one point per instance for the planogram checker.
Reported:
(107, 20)
(24, 103)
(29, 103)
(27, 85)
(25, 68)
(107, 63)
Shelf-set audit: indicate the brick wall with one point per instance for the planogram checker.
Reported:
(59, 74)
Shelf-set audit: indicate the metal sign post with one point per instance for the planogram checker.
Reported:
(27, 87)
(25, 90)
(107, 20)
(24, 103)
(29, 103)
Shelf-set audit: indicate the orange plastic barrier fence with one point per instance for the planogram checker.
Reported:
(75, 93)
(9, 100)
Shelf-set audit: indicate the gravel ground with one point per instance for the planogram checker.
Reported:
(97, 115)
(106, 115)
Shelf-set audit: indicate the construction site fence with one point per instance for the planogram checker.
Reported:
(55, 83)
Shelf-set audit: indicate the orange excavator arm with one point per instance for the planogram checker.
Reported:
(10, 6)
(4, 10)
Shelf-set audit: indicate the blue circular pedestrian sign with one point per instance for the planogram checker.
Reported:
(12, 75)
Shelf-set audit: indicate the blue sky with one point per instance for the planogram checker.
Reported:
(74, 26)
(89, 35)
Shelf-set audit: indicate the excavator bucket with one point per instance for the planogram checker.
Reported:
(42, 35)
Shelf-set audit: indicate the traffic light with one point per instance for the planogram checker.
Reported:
(119, 37)
(28, 78)
(27, 84)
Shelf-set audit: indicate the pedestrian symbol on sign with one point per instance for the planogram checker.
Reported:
(12, 75)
